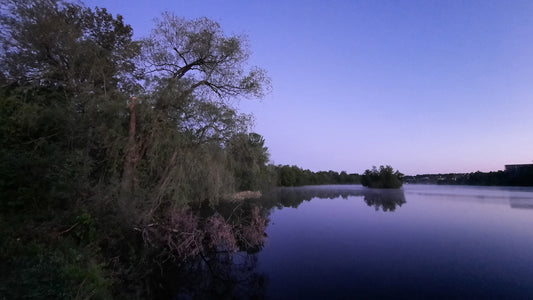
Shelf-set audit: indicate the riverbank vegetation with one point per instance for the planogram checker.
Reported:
(107, 143)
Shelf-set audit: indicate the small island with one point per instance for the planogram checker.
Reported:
(384, 178)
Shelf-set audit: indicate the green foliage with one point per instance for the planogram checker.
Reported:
(85, 228)
(385, 178)
(92, 48)
(40, 264)
(201, 59)
(248, 158)
(295, 176)
(37, 276)
(36, 136)
(45, 273)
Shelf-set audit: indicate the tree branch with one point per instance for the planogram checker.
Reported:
(182, 71)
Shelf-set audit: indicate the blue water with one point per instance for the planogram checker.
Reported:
(437, 242)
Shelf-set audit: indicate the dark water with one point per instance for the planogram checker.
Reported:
(421, 242)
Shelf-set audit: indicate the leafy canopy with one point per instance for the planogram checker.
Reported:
(385, 177)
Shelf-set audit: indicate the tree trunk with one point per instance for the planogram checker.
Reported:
(129, 178)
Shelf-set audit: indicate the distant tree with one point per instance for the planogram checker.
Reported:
(385, 177)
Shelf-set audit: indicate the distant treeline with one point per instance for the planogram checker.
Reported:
(496, 178)
(295, 176)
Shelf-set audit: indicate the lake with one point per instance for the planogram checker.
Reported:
(350, 242)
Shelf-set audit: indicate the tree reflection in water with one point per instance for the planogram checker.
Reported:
(215, 253)
(387, 200)
(384, 199)
(215, 249)
(221, 275)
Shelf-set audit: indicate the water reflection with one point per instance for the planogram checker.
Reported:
(450, 242)
(384, 199)
(515, 197)
(222, 275)
(446, 243)
(217, 248)
(214, 253)
(521, 202)
(387, 200)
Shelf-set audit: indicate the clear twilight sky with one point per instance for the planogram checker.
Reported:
(425, 86)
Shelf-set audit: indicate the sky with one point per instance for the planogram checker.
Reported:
(423, 86)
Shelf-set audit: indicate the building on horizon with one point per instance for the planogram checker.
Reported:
(518, 168)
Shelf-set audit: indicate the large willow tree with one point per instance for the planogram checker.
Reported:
(192, 74)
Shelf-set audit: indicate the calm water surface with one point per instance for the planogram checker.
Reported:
(436, 242)
(350, 242)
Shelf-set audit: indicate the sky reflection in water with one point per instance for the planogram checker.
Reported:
(438, 242)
